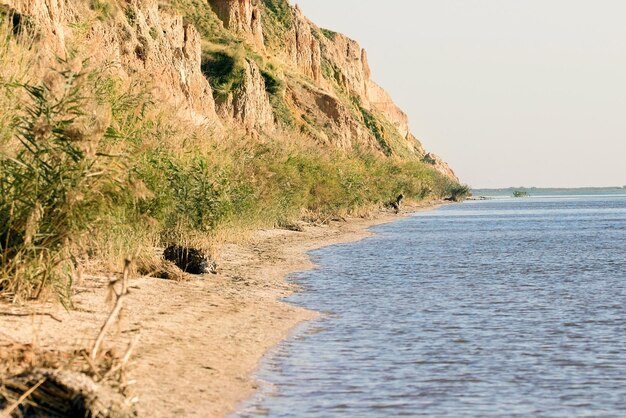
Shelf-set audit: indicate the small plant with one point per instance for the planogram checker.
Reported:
(131, 15)
(275, 88)
(377, 130)
(459, 192)
(329, 34)
(428, 159)
(273, 85)
(103, 9)
(332, 73)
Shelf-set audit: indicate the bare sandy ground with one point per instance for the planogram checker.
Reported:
(200, 340)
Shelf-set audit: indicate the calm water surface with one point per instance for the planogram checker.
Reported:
(508, 307)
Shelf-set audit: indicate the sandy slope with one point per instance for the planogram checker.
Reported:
(202, 339)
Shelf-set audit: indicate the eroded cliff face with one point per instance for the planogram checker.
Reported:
(303, 48)
(293, 76)
(242, 17)
(50, 16)
(161, 46)
(249, 104)
(328, 119)
(140, 41)
(346, 107)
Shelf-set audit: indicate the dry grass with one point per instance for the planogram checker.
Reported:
(157, 267)
(83, 382)
(33, 379)
(43, 382)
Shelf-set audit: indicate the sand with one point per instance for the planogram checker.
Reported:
(202, 339)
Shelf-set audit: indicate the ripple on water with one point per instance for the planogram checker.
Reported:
(494, 308)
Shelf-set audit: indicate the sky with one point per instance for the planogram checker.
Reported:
(508, 92)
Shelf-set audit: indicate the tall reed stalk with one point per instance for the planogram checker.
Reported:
(54, 189)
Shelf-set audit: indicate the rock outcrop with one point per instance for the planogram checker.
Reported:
(50, 16)
(328, 119)
(380, 100)
(303, 48)
(162, 47)
(242, 17)
(440, 165)
(346, 108)
(141, 41)
(348, 62)
(249, 103)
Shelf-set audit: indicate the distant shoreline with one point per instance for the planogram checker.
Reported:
(543, 191)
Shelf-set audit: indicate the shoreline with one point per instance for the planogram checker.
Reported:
(201, 340)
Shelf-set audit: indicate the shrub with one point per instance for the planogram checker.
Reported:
(224, 71)
(273, 85)
(458, 192)
(103, 9)
(329, 33)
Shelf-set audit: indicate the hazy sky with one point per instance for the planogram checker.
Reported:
(509, 92)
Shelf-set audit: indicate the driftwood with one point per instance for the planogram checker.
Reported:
(190, 260)
(119, 304)
(22, 314)
(86, 383)
(64, 393)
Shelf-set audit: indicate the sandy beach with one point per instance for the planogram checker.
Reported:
(202, 339)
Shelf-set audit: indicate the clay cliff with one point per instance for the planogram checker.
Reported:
(256, 65)
(241, 17)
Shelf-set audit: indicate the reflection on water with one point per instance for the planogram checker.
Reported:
(493, 308)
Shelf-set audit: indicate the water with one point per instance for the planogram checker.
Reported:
(510, 307)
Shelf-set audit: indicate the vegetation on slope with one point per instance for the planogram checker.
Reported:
(224, 70)
(200, 14)
(277, 19)
(91, 168)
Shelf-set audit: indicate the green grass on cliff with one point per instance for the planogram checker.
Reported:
(329, 33)
(200, 14)
(224, 54)
(377, 130)
(277, 19)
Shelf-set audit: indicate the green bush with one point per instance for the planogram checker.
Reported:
(103, 9)
(223, 71)
(329, 33)
(273, 85)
